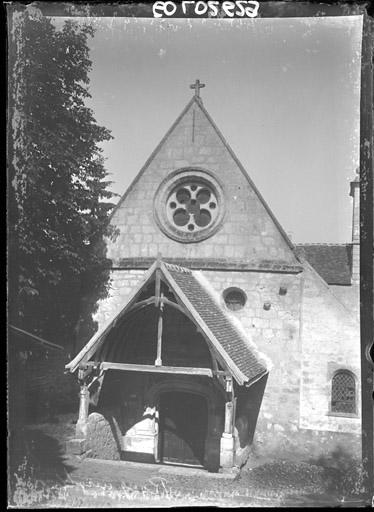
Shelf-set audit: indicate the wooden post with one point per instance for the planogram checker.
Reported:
(229, 410)
(158, 361)
(81, 426)
(159, 304)
(227, 439)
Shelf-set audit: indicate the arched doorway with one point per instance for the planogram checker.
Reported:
(183, 427)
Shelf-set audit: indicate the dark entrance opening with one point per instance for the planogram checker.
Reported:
(183, 428)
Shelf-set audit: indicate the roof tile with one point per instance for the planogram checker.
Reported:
(219, 323)
(332, 261)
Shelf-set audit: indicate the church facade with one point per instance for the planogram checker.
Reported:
(220, 337)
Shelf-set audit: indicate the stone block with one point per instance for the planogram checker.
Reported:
(140, 443)
(101, 439)
(227, 451)
(76, 446)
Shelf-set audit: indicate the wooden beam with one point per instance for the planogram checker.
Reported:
(158, 287)
(177, 370)
(164, 301)
(153, 301)
(182, 307)
(158, 361)
(174, 305)
(222, 356)
(143, 303)
(97, 339)
(161, 300)
(222, 373)
(159, 305)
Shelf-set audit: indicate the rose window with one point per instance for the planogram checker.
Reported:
(189, 205)
(192, 207)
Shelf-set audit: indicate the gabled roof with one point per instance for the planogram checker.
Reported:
(232, 348)
(197, 101)
(332, 261)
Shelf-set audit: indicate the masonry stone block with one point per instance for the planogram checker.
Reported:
(76, 446)
(101, 438)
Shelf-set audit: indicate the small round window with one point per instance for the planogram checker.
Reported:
(189, 205)
(234, 298)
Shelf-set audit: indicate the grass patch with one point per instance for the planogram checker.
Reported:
(31, 493)
(286, 477)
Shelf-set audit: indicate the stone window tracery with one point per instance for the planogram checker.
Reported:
(192, 206)
(343, 392)
(189, 205)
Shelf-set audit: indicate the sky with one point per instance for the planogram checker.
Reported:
(284, 92)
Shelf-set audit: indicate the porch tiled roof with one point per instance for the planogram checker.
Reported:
(229, 344)
(219, 323)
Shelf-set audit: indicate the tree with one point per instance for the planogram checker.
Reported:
(58, 198)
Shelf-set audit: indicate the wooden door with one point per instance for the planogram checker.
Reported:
(183, 428)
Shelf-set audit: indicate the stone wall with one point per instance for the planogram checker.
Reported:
(349, 296)
(307, 334)
(122, 284)
(274, 331)
(330, 341)
(303, 444)
(103, 439)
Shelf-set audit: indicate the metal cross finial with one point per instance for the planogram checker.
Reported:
(197, 86)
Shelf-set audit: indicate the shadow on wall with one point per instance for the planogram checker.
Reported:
(150, 418)
(247, 410)
(105, 434)
(105, 438)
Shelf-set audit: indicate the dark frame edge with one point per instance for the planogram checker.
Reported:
(366, 252)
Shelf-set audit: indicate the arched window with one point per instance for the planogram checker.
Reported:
(343, 392)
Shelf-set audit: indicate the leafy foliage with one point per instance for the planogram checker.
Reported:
(58, 201)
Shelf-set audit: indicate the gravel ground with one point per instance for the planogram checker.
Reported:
(47, 478)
